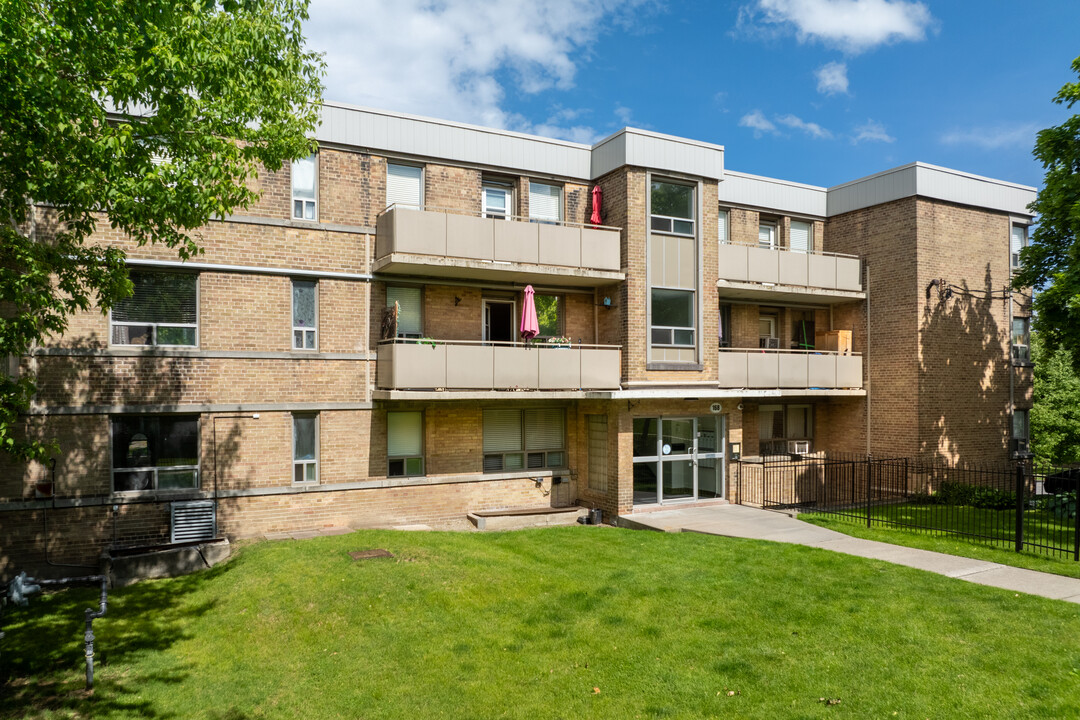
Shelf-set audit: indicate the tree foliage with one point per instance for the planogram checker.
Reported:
(1055, 416)
(1052, 261)
(146, 116)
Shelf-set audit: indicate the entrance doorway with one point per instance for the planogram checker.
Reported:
(499, 316)
(678, 459)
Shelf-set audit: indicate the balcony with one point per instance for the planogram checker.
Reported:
(790, 369)
(479, 366)
(750, 272)
(444, 243)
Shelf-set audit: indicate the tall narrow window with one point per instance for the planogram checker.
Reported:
(1021, 351)
(545, 202)
(408, 300)
(1017, 242)
(1020, 432)
(722, 224)
(305, 448)
(802, 236)
(597, 427)
(405, 443)
(303, 188)
(766, 236)
(498, 199)
(725, 326)
(767, 325)
(305, 315)
(404, 185)
(673, 271)
(162, 310)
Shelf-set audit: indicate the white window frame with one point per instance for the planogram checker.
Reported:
(315, 461)
(772, 228)
(305, 202)
(420, 192)
(196, 468)
(153, 325)
(314, 329)
(809, 236)
(404, 459)
(561, 203)
(504, 186)
(1014, 257)
(723, 226)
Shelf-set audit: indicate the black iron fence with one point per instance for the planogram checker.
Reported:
(1006, 504)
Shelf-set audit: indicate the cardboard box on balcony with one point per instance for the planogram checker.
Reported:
(838, 341)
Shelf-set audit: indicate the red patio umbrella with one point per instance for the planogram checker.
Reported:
(530, 326)
(597, 199)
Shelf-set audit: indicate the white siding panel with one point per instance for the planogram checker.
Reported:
(778, 195)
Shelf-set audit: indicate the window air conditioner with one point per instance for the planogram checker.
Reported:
(798, 447)
(1021, 353)
(769, 343)
(1020, 447)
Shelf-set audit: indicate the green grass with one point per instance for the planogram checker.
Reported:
(1039, 526)
(527, 624)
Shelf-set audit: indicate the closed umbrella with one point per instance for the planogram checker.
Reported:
(597, 199)
(530, 326)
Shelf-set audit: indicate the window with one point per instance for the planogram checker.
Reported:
(303, 188)
(155, 452)
(548, 315)
(1021, 351)
(725, 326)
(405, 443)
(596, 427)
(497, 199)
(304, 314)
(404, 185)
(520, 439)
(545, 202)
(802, 236)
(305, 448)
(408, 300)
(1020, 426)
(767, 337)
(162, 310)
(672, 317)
(780, 425)
(802, 329)
(766, 236)
(725, 233)
(671, 208)
(1018, 240)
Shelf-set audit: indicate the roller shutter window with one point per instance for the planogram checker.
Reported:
(545, 202)
(409, 300)
(403, 185)
(801, 236)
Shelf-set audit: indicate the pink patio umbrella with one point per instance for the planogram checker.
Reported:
(597, 199)
(530, 326)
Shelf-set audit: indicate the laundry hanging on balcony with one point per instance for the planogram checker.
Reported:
(597, 200)
(530, 325)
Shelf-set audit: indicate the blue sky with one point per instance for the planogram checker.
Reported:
(814, 91)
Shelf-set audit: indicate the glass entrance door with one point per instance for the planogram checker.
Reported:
(678, 459)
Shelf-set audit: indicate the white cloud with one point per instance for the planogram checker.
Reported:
(457, 59)
(812, 129)
(832, 78)
(757, 121)
(871, 131)
(626, 117)
(994, 138)
(851, 25)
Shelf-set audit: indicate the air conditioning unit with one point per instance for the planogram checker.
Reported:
(1020, 447)
(798, 447)
(769, 343)
(1021, 353)
(194, 520)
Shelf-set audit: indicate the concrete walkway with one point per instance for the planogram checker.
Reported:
(746, 522)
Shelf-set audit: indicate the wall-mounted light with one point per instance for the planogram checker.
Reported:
(607, 303)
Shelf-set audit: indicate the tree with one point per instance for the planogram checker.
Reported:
(148, 116)
(1052, 261)
(1055, 416)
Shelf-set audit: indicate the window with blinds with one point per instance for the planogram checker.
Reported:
(405, 443)
(598, 451)
(802, 236)
(545, 202)
(519, 439)
(766, 236)
(303, 188)
(409, 300)
(1017, 242)
(403, 185)
(162, 310)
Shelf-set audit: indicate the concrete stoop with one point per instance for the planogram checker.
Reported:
(521, 518)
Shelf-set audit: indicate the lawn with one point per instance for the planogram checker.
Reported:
(1039, 527)
(553, 623)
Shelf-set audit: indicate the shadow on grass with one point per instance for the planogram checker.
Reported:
(42, 661)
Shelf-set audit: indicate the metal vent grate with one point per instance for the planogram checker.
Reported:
(193, 520)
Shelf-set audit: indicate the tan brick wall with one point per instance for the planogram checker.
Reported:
(452, 188)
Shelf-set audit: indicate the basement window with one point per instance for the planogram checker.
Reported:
(524, 439)
(155, 452)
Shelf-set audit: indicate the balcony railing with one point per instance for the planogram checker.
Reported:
(794, 369)
(818, 270)
(443, 233)
(469, 365)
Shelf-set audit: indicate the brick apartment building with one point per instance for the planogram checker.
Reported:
(347, 353)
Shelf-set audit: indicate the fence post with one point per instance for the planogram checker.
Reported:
(869, 485)
(1019, 506)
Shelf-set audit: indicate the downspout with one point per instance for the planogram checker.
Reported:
(866, 355)
(1009, 367)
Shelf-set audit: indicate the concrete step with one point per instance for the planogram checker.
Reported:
(519, 518)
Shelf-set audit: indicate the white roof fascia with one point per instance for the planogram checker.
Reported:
(783, 196)
(656, 151)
